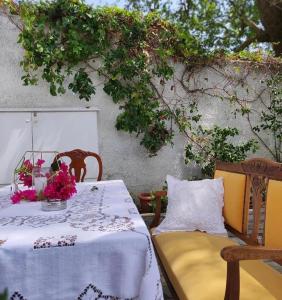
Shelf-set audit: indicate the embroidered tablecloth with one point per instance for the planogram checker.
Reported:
(98, 248)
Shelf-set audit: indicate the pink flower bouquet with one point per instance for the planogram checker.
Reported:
(60, 183)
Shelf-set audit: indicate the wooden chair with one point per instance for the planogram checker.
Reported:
(77, 163)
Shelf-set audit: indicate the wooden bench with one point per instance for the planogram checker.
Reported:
(202, 266)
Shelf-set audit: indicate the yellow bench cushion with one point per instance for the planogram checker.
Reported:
(193, 263)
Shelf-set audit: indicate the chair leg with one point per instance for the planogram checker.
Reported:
(232, 291)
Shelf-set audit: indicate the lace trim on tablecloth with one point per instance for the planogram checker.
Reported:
(17, 296)
(50, 242)
(93, 293)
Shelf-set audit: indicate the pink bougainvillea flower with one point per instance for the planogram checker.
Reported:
(25, 172)
(40, 162)
(61, 186)
(29, 195)
(16, 198)
(26, 179)
(27, 163)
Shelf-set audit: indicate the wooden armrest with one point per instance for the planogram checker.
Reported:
(233, 254)
(157, 217)
(236, 253)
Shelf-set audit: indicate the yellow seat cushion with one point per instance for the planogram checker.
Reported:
(196, 270)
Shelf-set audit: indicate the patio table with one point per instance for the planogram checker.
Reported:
(98, 248)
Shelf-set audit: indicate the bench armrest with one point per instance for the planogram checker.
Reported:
(236, 253)
(157, 216)
(233, 254)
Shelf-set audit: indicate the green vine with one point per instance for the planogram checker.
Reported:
(60, 36)
(217, 146)
(4, 295)
(271, 117)
(135, 54)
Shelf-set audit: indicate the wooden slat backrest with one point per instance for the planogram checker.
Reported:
(78, 164)
(258, 172)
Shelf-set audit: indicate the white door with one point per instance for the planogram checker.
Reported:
(67, 130)
(15, 139)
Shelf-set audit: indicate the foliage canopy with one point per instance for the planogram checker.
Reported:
(223, 24)
(134, 53)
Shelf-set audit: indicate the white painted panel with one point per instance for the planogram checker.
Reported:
(15, 139)
(65, 131)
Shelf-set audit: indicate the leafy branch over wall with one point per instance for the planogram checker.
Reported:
(136, 56)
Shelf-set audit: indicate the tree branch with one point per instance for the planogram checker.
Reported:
(260, 35)
(253, 25)
(175, 117)
(245, 44)
(6, 11)
(276, 3)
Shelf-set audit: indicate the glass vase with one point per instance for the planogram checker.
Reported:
(53, 204)
(39, 179)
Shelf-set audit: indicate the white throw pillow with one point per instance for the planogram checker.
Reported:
(194, 205)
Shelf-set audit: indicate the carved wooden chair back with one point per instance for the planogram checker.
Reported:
(253, 200)
(78, 164)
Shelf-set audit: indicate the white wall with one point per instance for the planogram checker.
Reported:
(122, 155)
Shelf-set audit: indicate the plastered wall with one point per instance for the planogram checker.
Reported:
(122, 155)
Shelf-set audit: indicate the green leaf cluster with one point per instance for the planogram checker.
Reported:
(67, 40)
(4, 295)
(217, 144)
(271, 118)
(218, 25)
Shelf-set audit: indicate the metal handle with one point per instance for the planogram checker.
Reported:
(35, 119)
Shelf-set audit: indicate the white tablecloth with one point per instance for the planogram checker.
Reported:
(98, 248)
